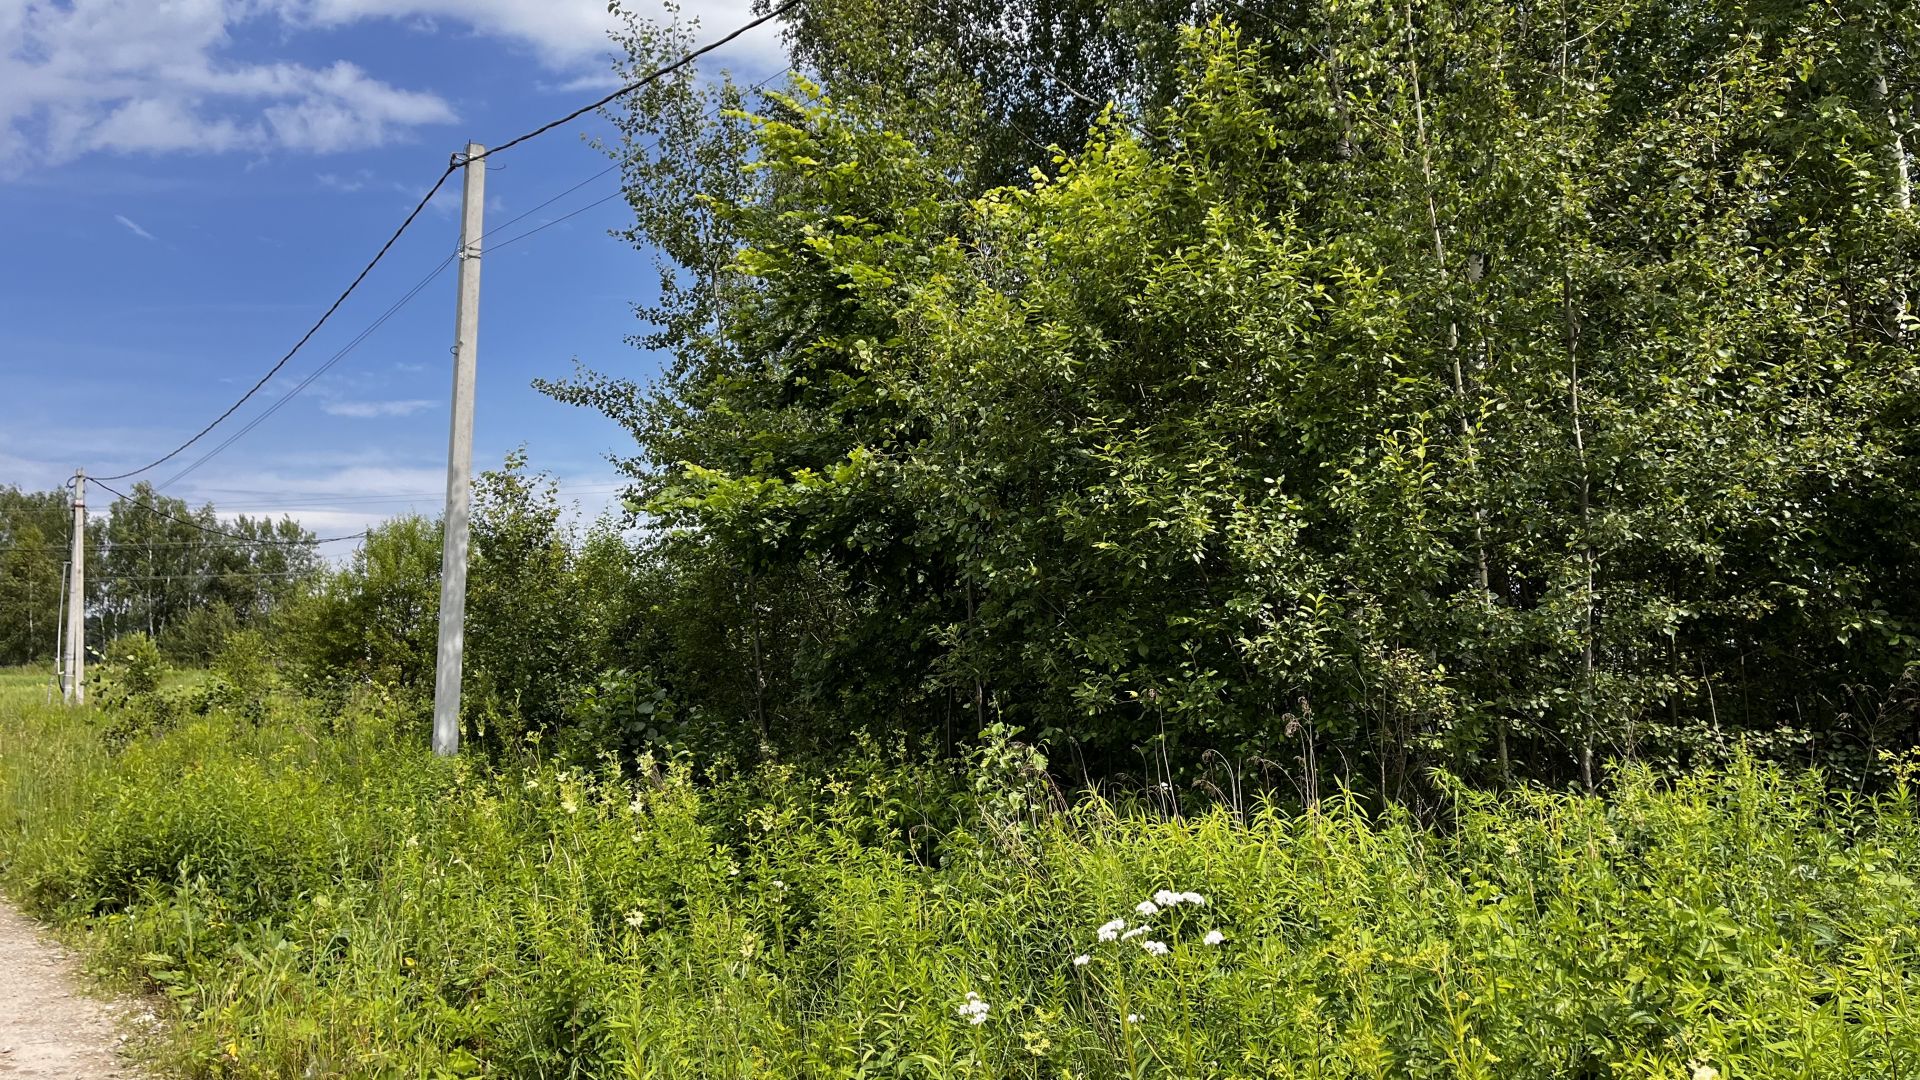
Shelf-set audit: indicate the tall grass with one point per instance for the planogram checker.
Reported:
(320, 898)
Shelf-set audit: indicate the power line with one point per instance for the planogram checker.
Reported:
(284, 505)
(221, 532)
(440, 181)
(653, 76)
(404, 300)
(710, 113)
(409, 296)
(105, 544)
(99, 576)
(304, 338)
(558, 220)
(529, 212)
(321, 501)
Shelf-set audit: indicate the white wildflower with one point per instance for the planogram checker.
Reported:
(568, 804)
(1147, 907)
(636, 918)
(1082, 960)
(1134, 933)
(1706, 1072)
(1167, 898)
(973, 1010)
(1133, 1018)
(1154, 948)
(1193, 898)
(1111, 931)
(1214, 937)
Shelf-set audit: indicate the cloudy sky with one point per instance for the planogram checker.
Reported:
(186, 184)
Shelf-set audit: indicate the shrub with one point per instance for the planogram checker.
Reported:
(139, 667)
(245, 670)
(196, 637)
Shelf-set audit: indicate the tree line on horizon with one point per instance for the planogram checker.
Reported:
(185, 576)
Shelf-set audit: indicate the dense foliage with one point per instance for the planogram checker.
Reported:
(318, 897)
(1484, 385)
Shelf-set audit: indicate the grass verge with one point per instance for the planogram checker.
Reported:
(317, 897)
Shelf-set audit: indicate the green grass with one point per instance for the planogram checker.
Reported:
(317, 897)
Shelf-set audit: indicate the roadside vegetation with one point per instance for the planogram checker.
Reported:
(317, 896)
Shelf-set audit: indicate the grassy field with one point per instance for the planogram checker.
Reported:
(317, 897)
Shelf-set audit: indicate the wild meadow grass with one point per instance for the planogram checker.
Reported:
(318, 897)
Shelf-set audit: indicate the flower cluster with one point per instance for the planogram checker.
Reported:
(1161, 901)
(973, 1010)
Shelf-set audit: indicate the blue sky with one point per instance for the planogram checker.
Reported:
(185, 185)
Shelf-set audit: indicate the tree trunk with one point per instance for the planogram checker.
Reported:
(1902, 178)
(1475, 269)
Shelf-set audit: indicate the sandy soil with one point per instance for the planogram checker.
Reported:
(49, 1028)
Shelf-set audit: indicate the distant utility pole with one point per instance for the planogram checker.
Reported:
(76, 644)
(453, 549)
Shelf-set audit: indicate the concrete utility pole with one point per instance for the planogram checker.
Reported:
(453, 550)
(76, 644)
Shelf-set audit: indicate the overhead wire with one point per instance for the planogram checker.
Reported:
(439, 182)
(201, 576)
(346, 349)
(304, 338)
(651, 77)
(408, 297)
(530, 211)
(610, 196)
(550, 224)
(283, 501)
(189, 522)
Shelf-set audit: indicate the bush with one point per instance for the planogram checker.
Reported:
(244, 669)
(138, 665)
(198, 636)
(128, 691)
(623, 713)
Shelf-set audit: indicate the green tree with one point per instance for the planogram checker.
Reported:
(33, 549)
(1518, 387)
(183, 575)
(373, 622)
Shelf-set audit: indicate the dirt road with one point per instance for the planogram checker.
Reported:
(49, 1029)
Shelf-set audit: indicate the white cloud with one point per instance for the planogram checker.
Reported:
(140, 76)
(564, 33)
(348, 183)
(133, 226)
(370, 410)
(134, 76)
(591, 83)
(561, 31)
